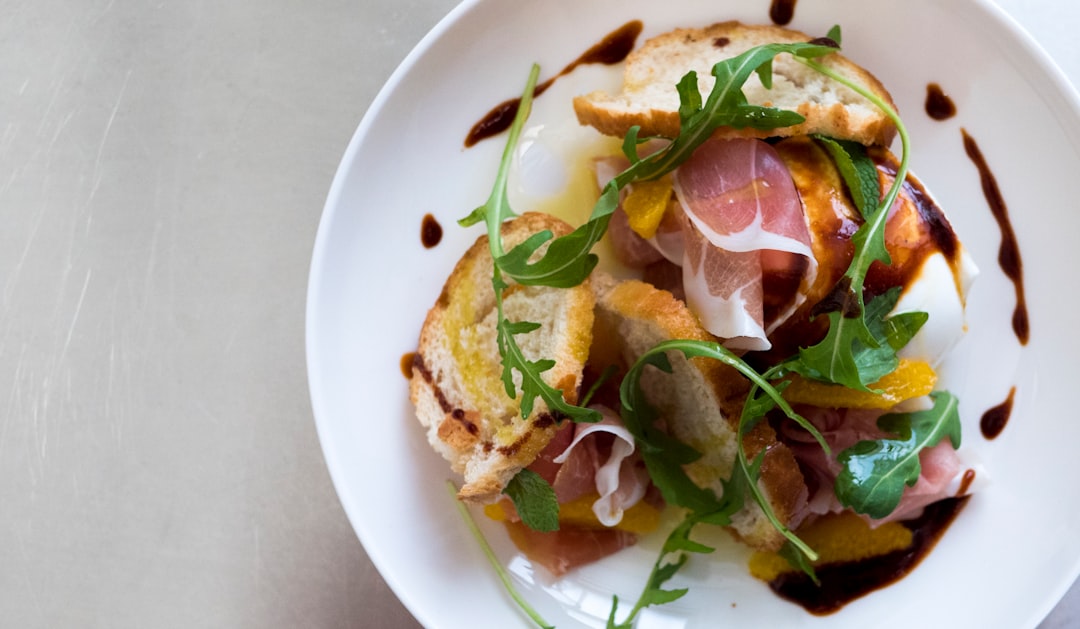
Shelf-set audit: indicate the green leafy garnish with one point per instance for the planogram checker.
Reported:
(672, 557)
(797, 559)
(857, 170)
(875, 472)
(534, 500)
(664, 455)
(504, 576)
(873, 360)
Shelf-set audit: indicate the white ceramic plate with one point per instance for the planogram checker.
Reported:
(1013, 551)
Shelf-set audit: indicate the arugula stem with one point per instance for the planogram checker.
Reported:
(498, 191)
(504, 576)
(750, 472)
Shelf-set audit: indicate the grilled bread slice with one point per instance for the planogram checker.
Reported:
(699, 402)
(456, 383)
(649, 98)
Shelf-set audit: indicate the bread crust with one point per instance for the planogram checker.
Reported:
(456, 383)
(700, 403)
(649, 98)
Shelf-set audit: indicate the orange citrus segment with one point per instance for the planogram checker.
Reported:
(911, 379)
(640, 518)
(645, 205)
(836, 538)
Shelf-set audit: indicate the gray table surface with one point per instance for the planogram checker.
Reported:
(162, 171)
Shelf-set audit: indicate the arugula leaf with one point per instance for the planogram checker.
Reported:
(534, 500)
(875, 473)
(891, 335)
(834, 34)
(874, 360)
(857, 170)
(532, 381)
(678, 543)
(497, 208)
(798, 560)
(746, 473)
(493, 214)
(664, 456)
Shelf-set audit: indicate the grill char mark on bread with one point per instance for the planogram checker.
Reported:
(649, 99)
(456, 384)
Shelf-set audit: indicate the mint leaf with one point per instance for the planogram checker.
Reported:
(534, 500)
(875, 473)
(857, 170)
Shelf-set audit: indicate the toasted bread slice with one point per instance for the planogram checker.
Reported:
(456, 383)
(699, 402)
(649, 98)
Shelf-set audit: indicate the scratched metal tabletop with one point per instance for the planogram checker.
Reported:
(163, 166)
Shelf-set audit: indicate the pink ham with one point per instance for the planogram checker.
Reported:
(740, 201)
(595, 458)
(630, 249)
(584, 459)
(600, 459)
(942, 469)
(738, 222)
(569, 547)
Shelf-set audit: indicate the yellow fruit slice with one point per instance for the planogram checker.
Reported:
(645, 205)
(641, 518)
(911, 379)
(836, 538)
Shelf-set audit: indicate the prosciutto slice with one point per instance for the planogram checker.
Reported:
(739, 201)
(616, 476)
(563, 550)
(580, 460)
(942, 470)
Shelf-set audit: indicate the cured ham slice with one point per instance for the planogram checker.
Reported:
(724, 289)
(617, 477)
(584, 460)
(739, 201)
(941, 475)
(736, 227)
(739, 194)
(599, 459)
(569, 547)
